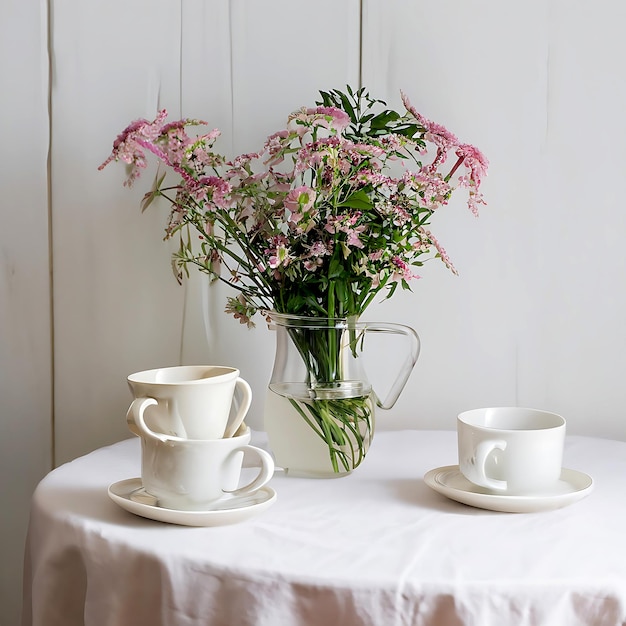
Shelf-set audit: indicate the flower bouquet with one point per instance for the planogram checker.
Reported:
(332, 210)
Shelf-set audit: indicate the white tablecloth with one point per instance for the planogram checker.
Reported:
(378, 547)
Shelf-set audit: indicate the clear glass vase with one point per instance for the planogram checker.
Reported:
(320, 405)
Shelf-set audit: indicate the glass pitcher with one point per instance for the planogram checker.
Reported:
(319, 410)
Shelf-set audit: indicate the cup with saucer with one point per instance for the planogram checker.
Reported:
(511, 450)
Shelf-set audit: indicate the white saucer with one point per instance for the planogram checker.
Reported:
(449, 481)
(128, 494)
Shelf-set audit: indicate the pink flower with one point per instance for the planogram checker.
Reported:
(300, 199)
(142, 135)
(431, 186)
(346, 224)
(330, 116)
(314, 259)
(400, 216)
(440, 250)
(440, 136)
(477, 164)
(278, 252)
(436, 133)
(300, 203)
(474, 200)
(219, 190)
(411, 109)
(275, 145)
(352, 238)
(242, 160)
(475, 161)
(128, 150)
(401, 270)
(319, 248)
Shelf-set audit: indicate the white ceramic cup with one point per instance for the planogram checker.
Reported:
(187, 402)
(193, 474)
(511, 450)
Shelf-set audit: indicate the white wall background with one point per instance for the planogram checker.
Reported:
(86, 295)
(25, 324)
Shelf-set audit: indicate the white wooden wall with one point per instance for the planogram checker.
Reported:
(535, 318)
(25, 346)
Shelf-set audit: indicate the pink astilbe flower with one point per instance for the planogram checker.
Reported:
(141, 134)
(375, 178)
(401, 270)
(440, 250)
(477, 164)
(475, 161)
(469, 156)
(474, 200)
(436, 133)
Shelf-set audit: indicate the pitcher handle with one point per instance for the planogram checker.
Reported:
(408, 364)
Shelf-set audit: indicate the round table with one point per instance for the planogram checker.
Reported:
(378, 547)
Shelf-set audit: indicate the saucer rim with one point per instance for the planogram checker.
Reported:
(119, 492)
(509, 503)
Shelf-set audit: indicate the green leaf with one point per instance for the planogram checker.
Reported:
(347, 106)
(326, 99)
(148, 199)
(409, 131)
(382, 120)
(155, 192)
(358, 200)
(335, 269)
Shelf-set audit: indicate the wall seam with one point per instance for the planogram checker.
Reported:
(49, 47)
(360, 43)
(181, 78)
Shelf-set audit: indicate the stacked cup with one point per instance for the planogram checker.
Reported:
(511, 450)
(193, 437)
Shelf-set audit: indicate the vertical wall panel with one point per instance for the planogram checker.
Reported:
(254, 64)
(533, 318)
(469, 67)
(115, 308)
(577, 358)
(25, 357)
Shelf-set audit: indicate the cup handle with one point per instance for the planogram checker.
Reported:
(136, 422)
(244, 406)
(483, 450)
(265, 474)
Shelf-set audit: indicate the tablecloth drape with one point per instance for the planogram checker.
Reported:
(378, 547)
